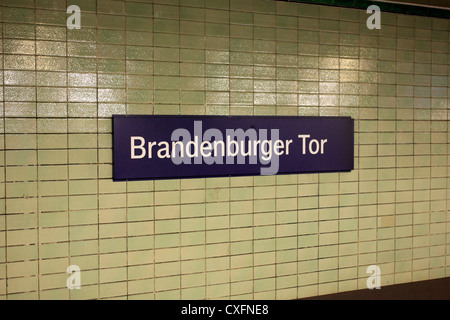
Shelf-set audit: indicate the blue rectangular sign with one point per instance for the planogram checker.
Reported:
(171, 147)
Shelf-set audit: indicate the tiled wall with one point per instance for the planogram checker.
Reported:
(272, 237)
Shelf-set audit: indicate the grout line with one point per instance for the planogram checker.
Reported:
(230, 180)
(447, 236)
(230, 235)
(179, 180)
(358, 164)
(430, 156)
(253, 179)
(412, 4)
(203, 112)
(153, 182)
